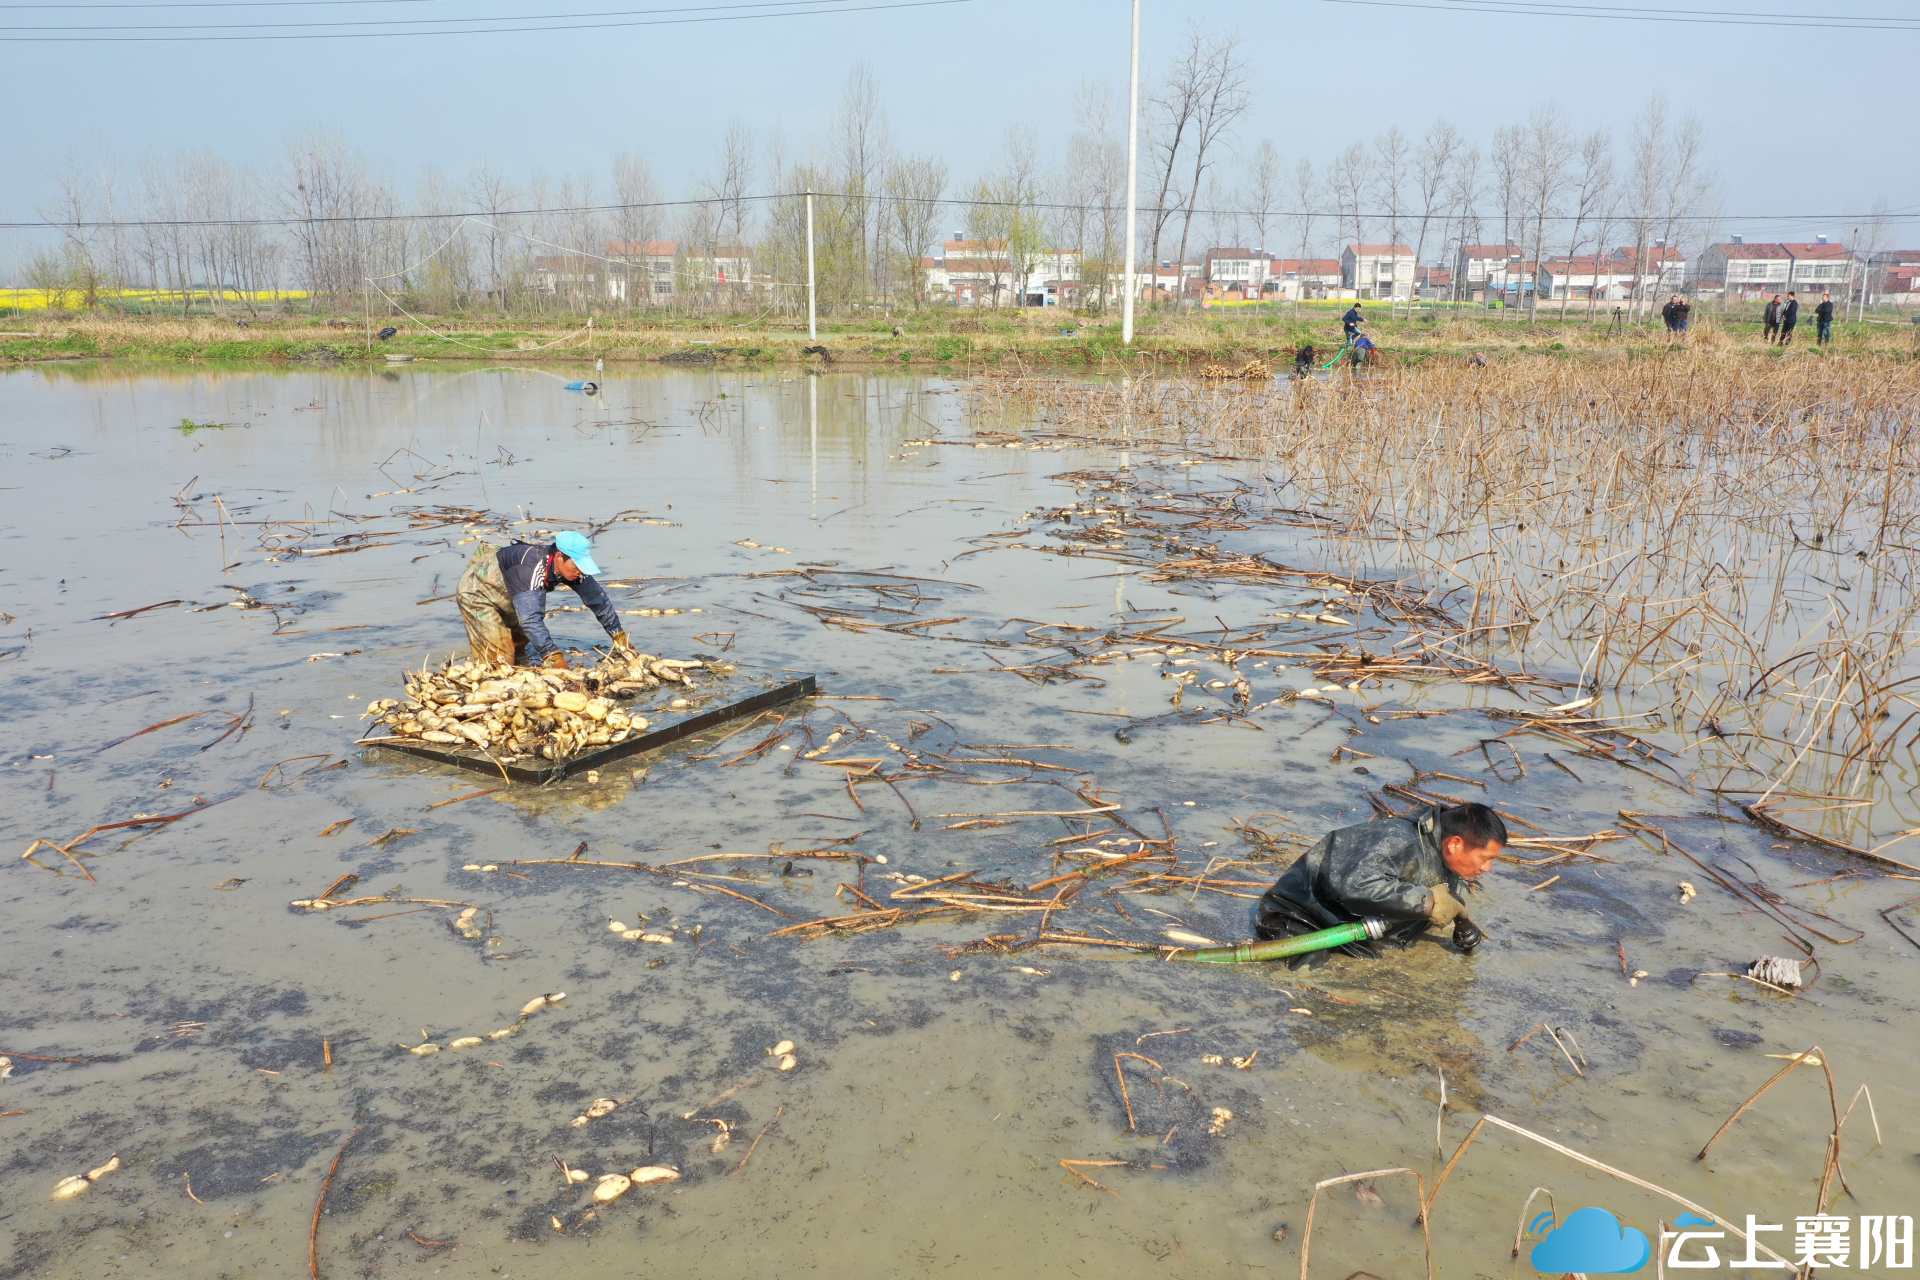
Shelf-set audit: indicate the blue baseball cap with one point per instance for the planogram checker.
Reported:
(575, 547)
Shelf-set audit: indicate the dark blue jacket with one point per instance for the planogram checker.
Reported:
(1351, 320)
(528, 574)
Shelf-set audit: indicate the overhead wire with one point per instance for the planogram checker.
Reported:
(797, 8)
(1882, 216)
(1522, 8)
(9, 36)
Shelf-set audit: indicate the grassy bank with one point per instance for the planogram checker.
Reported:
(926, 340)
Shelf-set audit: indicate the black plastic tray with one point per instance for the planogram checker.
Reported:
(656, 736)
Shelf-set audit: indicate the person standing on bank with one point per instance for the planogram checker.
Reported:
(1823, 321)
(1789, 317)
(1411, 872)
(1770, 321)
(1350, 322)
(503, 599)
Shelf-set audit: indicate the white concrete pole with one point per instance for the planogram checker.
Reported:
(1133, 182)
(813, 332)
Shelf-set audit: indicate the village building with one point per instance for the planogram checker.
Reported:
(1377, 270)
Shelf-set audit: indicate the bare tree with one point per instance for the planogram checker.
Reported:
(1463, 209)
(492, 195)
(1648, 184)
(861, 146)
(636, 225)
(1432, 166)
(1691, 195)
(1170, 123)
(1546, 151)
(81, 265)
(1592, 193)
(1261, 195)
(915, 185)
(727, 190)
(1220, 96)
(337, 210)
(1348, 179)
(1306, 192)
(1018, 184)
(1097, 165)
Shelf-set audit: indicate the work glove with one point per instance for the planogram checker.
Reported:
(558, 661)
(1466, 934)
(1446, 907)
(621, 643)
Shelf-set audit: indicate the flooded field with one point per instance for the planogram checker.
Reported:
(1032, 739)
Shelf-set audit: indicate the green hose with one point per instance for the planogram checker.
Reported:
(1279, 948)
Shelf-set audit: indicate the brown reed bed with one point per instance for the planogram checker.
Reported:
(1727, 545)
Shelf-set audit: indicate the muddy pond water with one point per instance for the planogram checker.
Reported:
(229, 1045)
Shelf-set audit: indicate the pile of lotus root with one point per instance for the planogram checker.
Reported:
(513, 712)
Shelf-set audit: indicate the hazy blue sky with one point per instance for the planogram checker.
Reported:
(1797, 121)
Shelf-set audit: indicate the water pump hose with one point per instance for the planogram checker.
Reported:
(1279, 948)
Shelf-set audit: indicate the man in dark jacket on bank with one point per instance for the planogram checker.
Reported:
(1770, 320)
(503, 599)
(1350, 322)
(1789, 317)
(1823, 320)
(1411, 872)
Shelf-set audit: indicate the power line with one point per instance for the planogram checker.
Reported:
(416, 22)
(220, 4)
(1404, 219)
(377, 35)
(1525, 8)
(1587, 10)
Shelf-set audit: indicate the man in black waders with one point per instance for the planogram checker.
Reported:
(503, 599)
(1411, 872)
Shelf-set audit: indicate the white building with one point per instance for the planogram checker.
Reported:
(1480, 267)
(1377, 270)
(642, 270)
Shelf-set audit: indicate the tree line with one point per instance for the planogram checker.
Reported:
(200, 230)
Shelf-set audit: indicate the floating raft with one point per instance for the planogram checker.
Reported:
(741, 694)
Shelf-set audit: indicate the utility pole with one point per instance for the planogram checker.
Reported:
(813, 332)
(1853, 262)
(1133, 181)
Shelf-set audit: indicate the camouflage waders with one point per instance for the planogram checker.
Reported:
(493, 628)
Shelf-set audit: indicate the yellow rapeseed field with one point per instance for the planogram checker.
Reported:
(39, 299)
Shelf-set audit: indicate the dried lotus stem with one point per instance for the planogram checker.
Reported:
(756, 1140)
(326, 1184)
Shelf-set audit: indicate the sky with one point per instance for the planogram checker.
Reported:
(1804, 127)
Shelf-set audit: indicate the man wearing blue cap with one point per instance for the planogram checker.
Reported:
(503, 598)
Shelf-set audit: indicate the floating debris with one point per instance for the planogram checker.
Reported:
(421, 1050)
(781, 1050)
(1213, 1060)
(1218, 1124)
(538, 1003)
(611, 1187)
(1687, 891)
(597, 1108)
(655, 1173)
(68, 1188)
(1776, 972)
(787, 1062)
(466, 1042)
